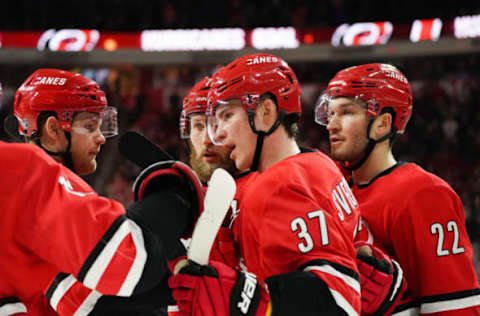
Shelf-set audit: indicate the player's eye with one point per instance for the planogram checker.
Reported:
(199, 126)
(227, 115)
(91, 127)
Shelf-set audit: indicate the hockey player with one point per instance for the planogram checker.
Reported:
(52, 221)
(412, 214)
(293, 232)
(204, 159)
(204, 156)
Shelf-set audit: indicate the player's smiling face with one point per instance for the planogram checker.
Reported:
(235, 133)
(87, 139)
(347, 128)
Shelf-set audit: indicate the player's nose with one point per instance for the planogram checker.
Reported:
(333, 123)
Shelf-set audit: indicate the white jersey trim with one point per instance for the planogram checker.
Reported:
(88, 304)
(60, 290)
(173, 308)
(413, 311)
(354, 284)
(435, 307)
(343, 303)
(12, 309)
(136, 269)
(97, 269)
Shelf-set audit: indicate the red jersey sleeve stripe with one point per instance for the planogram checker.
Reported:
(71, 299)
(88, 304)
(136, 270)
(100, 264)
(351, 282)
(115, 273)
(100, 246)
(60, 289)
(11, 306)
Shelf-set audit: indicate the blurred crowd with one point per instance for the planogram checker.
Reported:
(443, 135)
(162, 14)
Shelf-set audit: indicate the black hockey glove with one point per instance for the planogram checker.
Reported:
(171, 176)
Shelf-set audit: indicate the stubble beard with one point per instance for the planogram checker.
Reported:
(205, 170)
(350, 152)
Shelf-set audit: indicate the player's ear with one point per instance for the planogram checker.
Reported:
(52, 130)
(267, 114)
(381, 125)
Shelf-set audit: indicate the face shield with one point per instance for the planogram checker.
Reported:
(321, 109)
(103, 121)
(220, 117)
(192, 125)
(197, 126)
(324, 111)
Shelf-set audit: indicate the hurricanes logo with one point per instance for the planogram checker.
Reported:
(261, 60)
(53, 81)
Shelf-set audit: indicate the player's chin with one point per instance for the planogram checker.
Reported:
(338, 155)
(87, 168)
(242, 163)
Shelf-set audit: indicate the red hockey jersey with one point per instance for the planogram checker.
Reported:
(418, 219)
(69, 297)
(52, 221)
(301, 214)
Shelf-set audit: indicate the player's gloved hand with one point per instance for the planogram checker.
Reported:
(381, 280)
(224, 249)
(170, 175)
(218, 290)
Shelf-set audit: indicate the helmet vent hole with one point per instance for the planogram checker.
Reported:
(360, 84)
(234, 82)
(222, 87)
(289, 78)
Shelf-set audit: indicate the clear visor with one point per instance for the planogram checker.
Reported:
(183, 124)
(193, 126)
(324, 110)
(103, 122)
(220, 118)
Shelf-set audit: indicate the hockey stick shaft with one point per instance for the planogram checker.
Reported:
(141, 151)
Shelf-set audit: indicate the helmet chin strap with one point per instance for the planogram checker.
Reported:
(370, 146)
(67, 154)
(261, 136)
